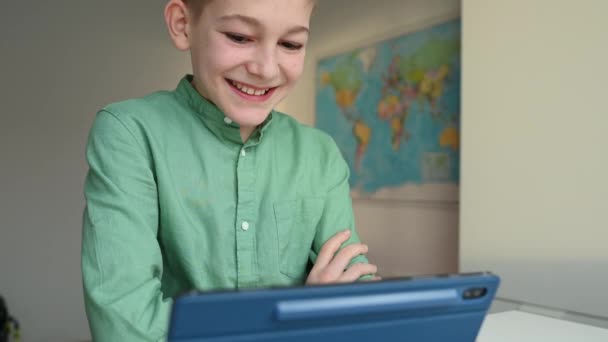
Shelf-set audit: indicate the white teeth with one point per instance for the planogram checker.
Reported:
(249, 91)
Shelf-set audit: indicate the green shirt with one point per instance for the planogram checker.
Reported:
(176, 201)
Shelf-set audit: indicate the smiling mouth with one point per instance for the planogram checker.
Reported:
(248, 90)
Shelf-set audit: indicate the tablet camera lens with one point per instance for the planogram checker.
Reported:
(474, 293)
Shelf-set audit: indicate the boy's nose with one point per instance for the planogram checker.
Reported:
(264, 65)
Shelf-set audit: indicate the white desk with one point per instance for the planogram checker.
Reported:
(518, 326)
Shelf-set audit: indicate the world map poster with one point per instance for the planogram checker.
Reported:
(393, 108)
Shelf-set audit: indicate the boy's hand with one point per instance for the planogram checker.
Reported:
(331, 267)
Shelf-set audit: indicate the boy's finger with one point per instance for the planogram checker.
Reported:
(329, 249)
(356, 271)
(339, 263)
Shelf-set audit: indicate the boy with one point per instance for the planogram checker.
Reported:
(207, 187)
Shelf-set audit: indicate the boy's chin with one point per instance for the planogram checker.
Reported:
(250, 118)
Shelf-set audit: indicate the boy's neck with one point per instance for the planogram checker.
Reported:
(246, 133)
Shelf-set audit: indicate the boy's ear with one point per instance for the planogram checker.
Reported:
(178, 23)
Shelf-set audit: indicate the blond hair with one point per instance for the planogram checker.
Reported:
(197, 6)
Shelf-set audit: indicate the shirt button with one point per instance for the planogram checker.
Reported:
(245, 225)
(243, 153)
(227, 120)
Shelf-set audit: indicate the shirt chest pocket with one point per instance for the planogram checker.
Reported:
(296, 224)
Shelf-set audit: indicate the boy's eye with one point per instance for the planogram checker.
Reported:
(237, 38)
(291, 46)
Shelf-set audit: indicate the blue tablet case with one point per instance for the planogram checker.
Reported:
(429, 309)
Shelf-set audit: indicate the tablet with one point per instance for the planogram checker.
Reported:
(439, 308)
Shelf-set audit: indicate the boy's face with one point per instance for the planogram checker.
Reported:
(248, 54)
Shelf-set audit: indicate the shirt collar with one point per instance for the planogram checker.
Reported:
(214, 118)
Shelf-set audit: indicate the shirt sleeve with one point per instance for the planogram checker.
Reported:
(338, 209)
(121, 258)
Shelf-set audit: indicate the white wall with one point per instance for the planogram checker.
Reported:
(534, 163)
(404, 237)
(61, 61)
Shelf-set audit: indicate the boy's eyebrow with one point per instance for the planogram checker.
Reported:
(254, 22)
